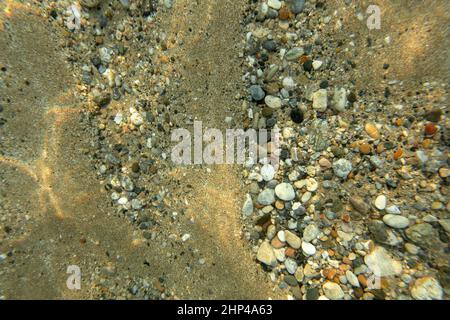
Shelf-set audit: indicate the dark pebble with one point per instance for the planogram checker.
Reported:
(312, 294)
(323, 84)
(297, 116)
(434, 115)
(307, 66)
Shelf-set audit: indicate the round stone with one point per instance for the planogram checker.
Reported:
(380, 202)
(137, 119)
(273, 102)
(308, 249)
(342, 168)
(266, 197)
(285, 192)
(333, 291)
(267, 172)
(257, 93)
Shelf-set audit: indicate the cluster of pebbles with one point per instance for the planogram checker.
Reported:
(358, 206)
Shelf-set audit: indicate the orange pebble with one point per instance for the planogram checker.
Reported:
(430, 129)
(364, 148)
(398, 154)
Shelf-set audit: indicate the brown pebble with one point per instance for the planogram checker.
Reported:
(365, 148)
(362, 280)
(430, 129)
(284, 14)
(372, 131)
(398, 154)
(276, 243)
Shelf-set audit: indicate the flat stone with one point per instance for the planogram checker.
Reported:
(293, 240)
(427, 288)
(266, 255)
(381, 263)
(396, 221)
(285, 192)
(294, 54)
(393, 209)
(333, 291)
(422, 234)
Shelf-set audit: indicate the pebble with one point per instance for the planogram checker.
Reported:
(381, 263)
(340, 99)
(317, 64)
(294, 54)
(274, 4)
(352, 279)
(247, 208)
(267, 172)
(312, 184)
(273, 102)
(333, 291)
(297, 6)
(293, 240)
(310, 233)
(342, 168)
(359, 204)
(320, 100)
(308, 249)
(396, 221)
(427, 288)
(266, 197)
(291, 265)
(257, 93)
(380, 202)
(372, 131)
(393, 209)
(285, 192)
(266, 255)
(137, 119)
(288, 83)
